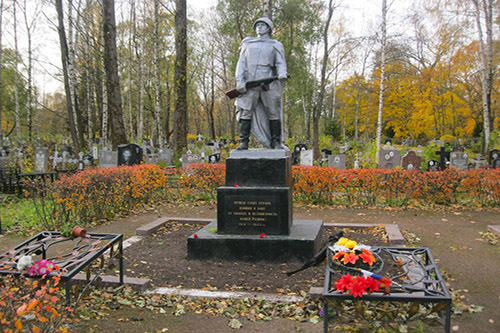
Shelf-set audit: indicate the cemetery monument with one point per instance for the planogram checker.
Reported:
(254, 208)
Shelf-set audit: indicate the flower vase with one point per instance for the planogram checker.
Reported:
(79, 232)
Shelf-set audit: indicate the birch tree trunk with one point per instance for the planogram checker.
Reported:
(64, 60)
(159, 122)
(16, 76)
(318, 106)
(29, 70)
(486, 57)
(118, 134)
(180, 80)
(382, 78)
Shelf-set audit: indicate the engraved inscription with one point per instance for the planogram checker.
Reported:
(252, 213)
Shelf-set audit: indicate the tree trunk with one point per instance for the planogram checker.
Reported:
(1, 64)
(64, 60)
(486, 55)
(382, 78)
(159, 123)
(319, 101)
(118, 134)
(180, 115)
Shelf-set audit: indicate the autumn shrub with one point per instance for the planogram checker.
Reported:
(201, 179)
(33, 305)
(97, 194)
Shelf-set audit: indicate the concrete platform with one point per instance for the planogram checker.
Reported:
(303, 242)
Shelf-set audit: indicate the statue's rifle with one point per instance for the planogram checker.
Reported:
(263, 83)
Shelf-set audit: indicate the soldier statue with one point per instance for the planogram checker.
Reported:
(259, 106)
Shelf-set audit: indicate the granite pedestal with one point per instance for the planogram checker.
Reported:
(254, 213)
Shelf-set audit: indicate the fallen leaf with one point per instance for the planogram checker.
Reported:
(235, 324)
(454, 328)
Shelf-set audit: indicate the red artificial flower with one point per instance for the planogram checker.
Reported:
(371, 284)
(358, 287)
(262, 235)
(235, 185)
(367, 257)
(195, 236)
(344, 283)
(350, 257)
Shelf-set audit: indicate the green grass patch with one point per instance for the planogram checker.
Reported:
(19, 216)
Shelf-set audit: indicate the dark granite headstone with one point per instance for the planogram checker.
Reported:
(496, 163)
(411, 161)
(214, 158)
(494, 154)
(432, 165)
(459, 161)
(296, 152)
(130, 154)
(88, 161)
(389, 159)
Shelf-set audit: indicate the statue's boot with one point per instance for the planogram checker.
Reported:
(276, 134)
(245, 126)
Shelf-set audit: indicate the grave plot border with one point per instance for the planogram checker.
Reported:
(421, 282)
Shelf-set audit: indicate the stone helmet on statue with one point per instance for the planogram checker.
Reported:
(267, 21)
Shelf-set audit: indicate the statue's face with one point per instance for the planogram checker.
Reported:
(261, 28)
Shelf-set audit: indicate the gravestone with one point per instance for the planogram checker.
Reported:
(41, 159)
(165, 155)
(479, 161)
(494, 154)
(432, 165)
(189, 159)
(214, 158)
(496, 163)
(444, 158)
(337, 161)
(325, 155)
(296, 152)
(459, 160)
(411, 161)
(4, 161)
(306, 157)
(95, 152)
(56, 159)
(389, 159)
(108, 158)
(87, 161)
(130, 154)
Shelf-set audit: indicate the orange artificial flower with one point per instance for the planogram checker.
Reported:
(350, 257)
(367, 257)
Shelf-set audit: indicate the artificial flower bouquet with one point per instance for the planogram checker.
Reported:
(38, 268)
(350, 257)
(360, 265)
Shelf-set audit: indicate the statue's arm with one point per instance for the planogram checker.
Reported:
(241, 68)
(280, 61)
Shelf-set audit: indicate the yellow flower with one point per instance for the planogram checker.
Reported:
(342, 241)
(350, 244)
